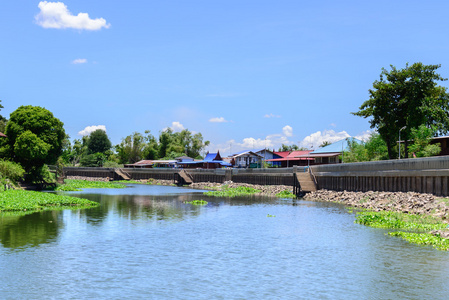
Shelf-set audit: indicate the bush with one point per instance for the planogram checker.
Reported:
(11, 170)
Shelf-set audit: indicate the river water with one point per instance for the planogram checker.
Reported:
(146, 242)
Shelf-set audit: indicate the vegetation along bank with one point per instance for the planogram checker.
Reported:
(418, 218)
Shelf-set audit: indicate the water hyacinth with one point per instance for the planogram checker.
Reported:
(286, 194)
(77, 185)
(233, 192)
(197, 202)
(428, 239)
(19, 200)
(397, 220)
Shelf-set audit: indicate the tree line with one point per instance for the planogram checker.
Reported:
(96, 150)
(408, 103)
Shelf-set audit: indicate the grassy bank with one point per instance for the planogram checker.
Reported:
(412, 228)
(19, 200)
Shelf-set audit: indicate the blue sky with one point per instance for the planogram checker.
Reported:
(246, 74)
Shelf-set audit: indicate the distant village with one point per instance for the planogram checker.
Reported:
(264, 158)
(329, 154)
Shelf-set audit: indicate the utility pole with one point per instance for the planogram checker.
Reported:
(400, 141)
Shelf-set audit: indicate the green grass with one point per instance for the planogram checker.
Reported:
(427, 239)
(396, 220)
(77, 185)
(233, 192)
(197, 202)
(286, 194)
(19, 200)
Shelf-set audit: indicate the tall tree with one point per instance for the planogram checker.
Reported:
(34, 138)
(98, 142)
(404, 99)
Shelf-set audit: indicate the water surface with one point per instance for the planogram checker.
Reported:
(146, 242)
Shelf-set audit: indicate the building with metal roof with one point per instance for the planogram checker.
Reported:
(330, 154)
(294, 158)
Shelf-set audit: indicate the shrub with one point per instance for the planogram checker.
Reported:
(11, 170)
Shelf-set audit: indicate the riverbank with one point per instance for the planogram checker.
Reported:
(404, 202)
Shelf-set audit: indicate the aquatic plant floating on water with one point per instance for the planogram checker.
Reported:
(197, 202)
(233, 192)
(286, 194)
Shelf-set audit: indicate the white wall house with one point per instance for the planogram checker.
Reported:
(246, 158)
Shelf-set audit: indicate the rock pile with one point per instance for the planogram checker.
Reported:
(89, 178)
(410, 202)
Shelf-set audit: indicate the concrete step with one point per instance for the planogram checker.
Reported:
(306, 181)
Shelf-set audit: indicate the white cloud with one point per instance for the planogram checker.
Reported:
(218, 120)
(89, 129)
(272, 141)
(56, 15)
(271, 116)
(364, 136)
(175, 126)
(79, 61)
(287, 130)
(316, 139)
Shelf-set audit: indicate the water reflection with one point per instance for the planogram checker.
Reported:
(29, 230)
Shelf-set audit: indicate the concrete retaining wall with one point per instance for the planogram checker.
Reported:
(424, 175)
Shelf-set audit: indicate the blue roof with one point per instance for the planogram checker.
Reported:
(210, 157)
(223, 163)
(338, 146)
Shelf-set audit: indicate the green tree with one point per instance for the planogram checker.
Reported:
(3, 121)
(406, 98)
(34, 138)
(136, 147)
(325, 143)
(285, 148)
(98, 142)
(421, 146)
(355, 152)
(376, 147)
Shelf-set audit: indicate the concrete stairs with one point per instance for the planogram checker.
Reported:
(306, 181)
(121, 173)
(184, 178)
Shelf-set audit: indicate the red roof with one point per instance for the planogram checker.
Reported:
(293, 156)
(282, 154)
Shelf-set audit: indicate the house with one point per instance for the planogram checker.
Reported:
(444, 144)
(184, 159)
(330, 154)
(293, 158)
(140, 164)
(211, 161)
(247, 159)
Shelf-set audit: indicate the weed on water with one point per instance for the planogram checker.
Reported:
(19, 200)
(233, 192)
(286, 194)
(197, 202)
(77, 185)
(423, 239)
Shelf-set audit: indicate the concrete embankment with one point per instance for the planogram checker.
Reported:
(406, 202)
